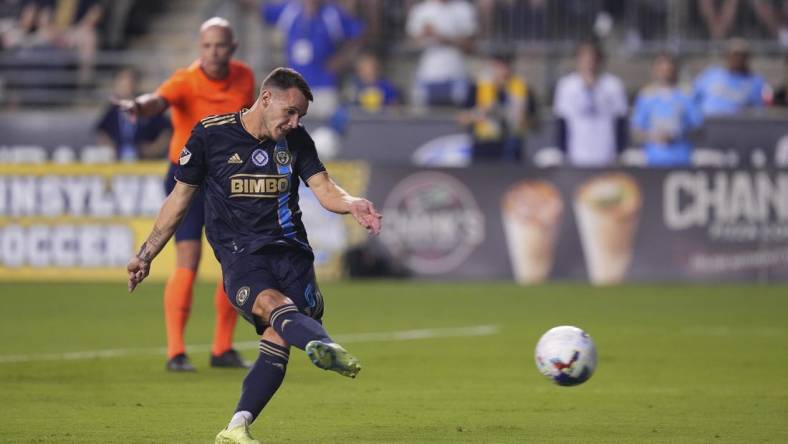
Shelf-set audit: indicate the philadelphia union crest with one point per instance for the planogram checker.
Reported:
(242, 296)
(282, 157)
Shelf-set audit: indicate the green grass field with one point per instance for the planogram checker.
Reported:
(676, 364)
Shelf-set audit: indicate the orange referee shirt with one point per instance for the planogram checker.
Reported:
(193, 96)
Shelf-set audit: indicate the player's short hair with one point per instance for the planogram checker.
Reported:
(286, 78)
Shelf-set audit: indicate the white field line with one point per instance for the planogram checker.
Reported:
(391, 336)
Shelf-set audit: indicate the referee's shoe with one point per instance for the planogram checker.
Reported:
(229, 359)
(180, 363)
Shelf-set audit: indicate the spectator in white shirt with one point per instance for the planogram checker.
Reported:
(590, 107)
(443, 29)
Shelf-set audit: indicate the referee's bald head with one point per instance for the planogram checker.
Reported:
(219, 23)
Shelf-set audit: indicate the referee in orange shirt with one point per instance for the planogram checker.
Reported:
(213, 84)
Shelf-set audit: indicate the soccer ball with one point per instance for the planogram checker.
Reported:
(566, 355)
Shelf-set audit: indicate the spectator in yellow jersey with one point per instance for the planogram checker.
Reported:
(502, 110)
(372, 91)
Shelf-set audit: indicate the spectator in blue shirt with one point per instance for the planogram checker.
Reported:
(372, 92)
(730, 89)
(665, 117)
(320, 37)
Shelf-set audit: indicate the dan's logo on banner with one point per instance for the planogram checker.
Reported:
(432, 222)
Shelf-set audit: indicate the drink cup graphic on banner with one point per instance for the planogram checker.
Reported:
(531, 212)
(607, 209)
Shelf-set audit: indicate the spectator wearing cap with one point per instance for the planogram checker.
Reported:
(730, 89)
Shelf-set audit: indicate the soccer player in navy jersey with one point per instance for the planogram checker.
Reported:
(249, 165)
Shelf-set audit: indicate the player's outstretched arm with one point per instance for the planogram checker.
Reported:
(333, 198)
(170, 216)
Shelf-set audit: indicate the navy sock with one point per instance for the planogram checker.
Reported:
(296, 328)
(264, 378)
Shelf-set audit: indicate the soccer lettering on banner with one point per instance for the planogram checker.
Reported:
(88, 220)
(75, 218)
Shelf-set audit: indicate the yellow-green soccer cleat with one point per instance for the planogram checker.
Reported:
(331, 356)
(236, 435)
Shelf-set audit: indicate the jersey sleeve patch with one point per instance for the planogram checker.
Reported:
(185, 156)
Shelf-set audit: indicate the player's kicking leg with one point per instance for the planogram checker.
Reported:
(288, 326)
(259, 386)
(305, 333)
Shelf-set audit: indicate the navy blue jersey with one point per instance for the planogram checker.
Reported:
(250, 185)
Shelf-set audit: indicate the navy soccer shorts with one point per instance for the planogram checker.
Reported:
(288, 270)
(193, 221)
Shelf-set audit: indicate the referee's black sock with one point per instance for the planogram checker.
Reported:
(296, 328)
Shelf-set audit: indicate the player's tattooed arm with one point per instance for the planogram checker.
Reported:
(172, 212)
(152, 246)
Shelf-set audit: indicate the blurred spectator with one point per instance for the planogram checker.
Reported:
(32, 29)
(591, 108)
(503, 109)
(664, 117)
(75, 27)
(719, 16)
(371, 91)
(133, 139)
(781, 94)
(320, 39)
(774, 15)
(70, 26)
(732, 88)
(443, 30)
